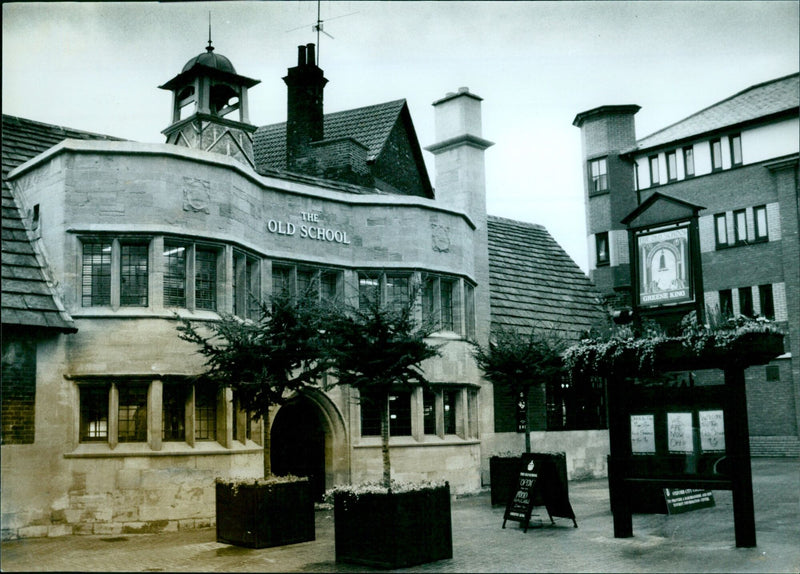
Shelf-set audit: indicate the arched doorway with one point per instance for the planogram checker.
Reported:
(298, 442)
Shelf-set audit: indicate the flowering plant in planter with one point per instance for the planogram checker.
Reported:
(628, 352)
(263, 362)
(377, 348)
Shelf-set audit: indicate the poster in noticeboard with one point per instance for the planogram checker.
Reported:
(712, 431)
(664, 267)
(643, 434)
(679, 433)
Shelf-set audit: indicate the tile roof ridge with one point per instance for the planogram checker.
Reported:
(715, 104)
(508, 221)
(389, 104)
(60, 127)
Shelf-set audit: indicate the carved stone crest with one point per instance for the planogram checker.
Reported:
(196, 194)
(440, 236)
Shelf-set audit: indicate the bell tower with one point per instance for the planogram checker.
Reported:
(205, 96)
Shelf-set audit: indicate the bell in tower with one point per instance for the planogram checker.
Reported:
(205, 96)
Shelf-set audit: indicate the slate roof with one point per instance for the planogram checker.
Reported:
(761, 100)
(27, 298)
(370, 125)
(534, 283)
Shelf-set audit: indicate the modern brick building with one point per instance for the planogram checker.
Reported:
(737, 161)
(106, 241)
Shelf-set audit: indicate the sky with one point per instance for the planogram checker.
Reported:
(96, 66)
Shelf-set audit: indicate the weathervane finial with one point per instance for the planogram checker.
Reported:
(209, 48)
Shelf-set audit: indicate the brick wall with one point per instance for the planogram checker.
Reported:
(18, 390)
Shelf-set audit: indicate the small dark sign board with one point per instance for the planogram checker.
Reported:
(539, 475)
(681, 500)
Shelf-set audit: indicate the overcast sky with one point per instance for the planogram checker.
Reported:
(97, 67)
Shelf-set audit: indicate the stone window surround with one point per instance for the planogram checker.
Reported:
(154, 444)
(230, 261)
(466, 418)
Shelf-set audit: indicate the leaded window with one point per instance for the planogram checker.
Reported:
(173, 413)
(94, 412)
(174, 276)
(205, 413)
(134, 275)
(96, 273)
(205, 279)
(132, 413)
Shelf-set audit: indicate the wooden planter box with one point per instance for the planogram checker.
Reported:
(260, 516)
(394, 530)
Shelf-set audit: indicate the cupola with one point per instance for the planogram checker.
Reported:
(204, 96)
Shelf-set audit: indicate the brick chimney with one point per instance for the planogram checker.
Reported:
(304, 115)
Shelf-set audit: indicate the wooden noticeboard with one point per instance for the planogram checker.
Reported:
(539, 474)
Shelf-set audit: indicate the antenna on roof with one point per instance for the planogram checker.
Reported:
(318, 27)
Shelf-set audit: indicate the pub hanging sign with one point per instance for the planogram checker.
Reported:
(664, 267)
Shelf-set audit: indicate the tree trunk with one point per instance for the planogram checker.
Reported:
(267, 445)
(527, 429)
(387, 463)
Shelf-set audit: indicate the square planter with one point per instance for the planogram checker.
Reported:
(393, 530)
(264, 515)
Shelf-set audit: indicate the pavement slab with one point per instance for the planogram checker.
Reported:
(697, 541)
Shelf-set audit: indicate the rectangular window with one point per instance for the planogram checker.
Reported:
(428, 302)
(767, 303)
(599, 175)
(736, 149)
(469, 310)
(370, 415)
(398, 291)
(175, 276)
(369, 290)
(205, 413)
(726, 302)
(688, 161)
(205, 279)
(132, 413)
(306, 282)
(173, 413)
(721, 230)
(400, 414)
(133, 275)
(760, 219)
(672, 165)
(329, 286)
(281, 280)
(429, 412)
(448, 315)
(746, 301)
(740, 226)
(601, 245)
(449, 406)
(716, 155)
(94, 413)
(252, 275)
(653, 170)
(96, 273)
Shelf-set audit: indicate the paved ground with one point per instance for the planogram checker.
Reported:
(699, 541)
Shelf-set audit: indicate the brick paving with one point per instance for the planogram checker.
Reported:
(699, 541)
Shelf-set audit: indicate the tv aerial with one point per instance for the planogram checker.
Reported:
(319, 27)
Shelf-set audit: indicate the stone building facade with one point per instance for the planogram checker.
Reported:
(115, 240)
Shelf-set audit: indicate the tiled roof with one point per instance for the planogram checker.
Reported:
(755, 102)
(27, 299)
(370, 125)
(534, 283)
